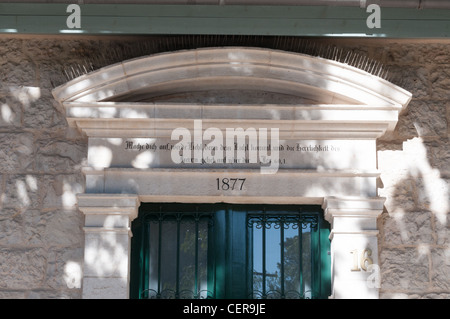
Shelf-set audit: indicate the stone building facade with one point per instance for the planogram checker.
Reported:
(42, 240)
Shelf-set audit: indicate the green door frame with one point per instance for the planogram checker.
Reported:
(229, 271)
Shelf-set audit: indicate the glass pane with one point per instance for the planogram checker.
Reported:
(178, 258)
(291, 262)
(168, 258)
(203, 259)
(278, 274)
(306, 261)
(187, 259)
(273, 261)
(257, 262)
(153, 262)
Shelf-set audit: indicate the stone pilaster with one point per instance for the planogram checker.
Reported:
(354, 246)
(107, 243)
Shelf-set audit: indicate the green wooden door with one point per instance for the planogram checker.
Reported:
(230, 251)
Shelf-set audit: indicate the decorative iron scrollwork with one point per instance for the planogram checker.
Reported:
(172, 294)
(278, 220)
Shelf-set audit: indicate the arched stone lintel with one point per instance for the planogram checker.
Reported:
(238, 67)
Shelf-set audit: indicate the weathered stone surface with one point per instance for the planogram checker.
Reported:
(423, 118)
(448, 120)
(436, 296)
(442, 228)
(438, 154)
(431, 54)
(433, 193)
(11, 294)
(22, 268)
(11, 229)
(404, 269)
(64, 269)
(53, 228)
(404, 54)
(408, 228)
(16, 152)
(10, 113)
(32, 214)
(21, 192)
(43, 113)
(415, 79)
(399, 192)
(440, 81)
(60, 190)
(399, 295)
(440, 259)
(57, 154)
(16, 68)
(54, 294)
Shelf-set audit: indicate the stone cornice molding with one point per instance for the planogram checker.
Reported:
(353, 215)
(352, 207)
(108, 212)
(351, 103)
(121, 119)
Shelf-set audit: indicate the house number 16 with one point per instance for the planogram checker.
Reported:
(364, 261)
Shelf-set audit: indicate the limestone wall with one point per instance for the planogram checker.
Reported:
(41, 235)
(414, 160)
(415, 164)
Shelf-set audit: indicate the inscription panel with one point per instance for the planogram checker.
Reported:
(219, 184)
(292, 154)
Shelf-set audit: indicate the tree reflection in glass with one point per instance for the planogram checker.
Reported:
(178, 258)
(281, 258)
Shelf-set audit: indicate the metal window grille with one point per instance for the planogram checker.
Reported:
(187, 251)
(282, 255)
(176, 255)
